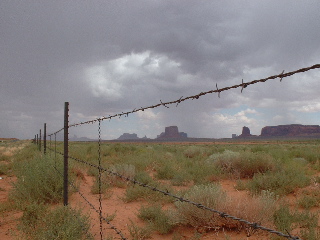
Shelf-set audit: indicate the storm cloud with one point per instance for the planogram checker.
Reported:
(107, 57)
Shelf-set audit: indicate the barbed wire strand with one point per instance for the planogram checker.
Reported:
(181, 199)
(193, 97)
(217, 90)
(177, 102)
(92, 206)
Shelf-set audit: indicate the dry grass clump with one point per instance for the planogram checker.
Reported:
(244, 164)
(126, 170)
(192, 151)
(253, 209)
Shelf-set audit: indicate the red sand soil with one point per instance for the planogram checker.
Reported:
(124, 213)
(128, 211)
(8, 219)
(110, 205)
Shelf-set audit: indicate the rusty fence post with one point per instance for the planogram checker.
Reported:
(45, 139)
(65, 171)
(40, 141)
(55, 149)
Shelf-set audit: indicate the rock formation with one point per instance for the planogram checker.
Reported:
(128, 136)
(245, 132)
(290, 130)
(172, 132)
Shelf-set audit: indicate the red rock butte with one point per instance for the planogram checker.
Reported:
(290, 130)
(172, 132)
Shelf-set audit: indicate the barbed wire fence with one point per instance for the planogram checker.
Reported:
(99, 210)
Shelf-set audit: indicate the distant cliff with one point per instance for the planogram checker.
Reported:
(172, 132)
(128, 136)
(290, 130)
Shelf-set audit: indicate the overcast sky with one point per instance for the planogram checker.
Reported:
(112, 56)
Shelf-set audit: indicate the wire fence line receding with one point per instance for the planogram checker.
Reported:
(197, 96)
(178, 198)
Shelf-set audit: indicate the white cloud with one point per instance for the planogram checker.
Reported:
(310, 107)
(102, 84)
(148, 114)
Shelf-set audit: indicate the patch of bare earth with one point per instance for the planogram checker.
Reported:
(8, 219)
(128, 211)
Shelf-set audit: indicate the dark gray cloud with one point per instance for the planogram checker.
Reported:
(106, 57)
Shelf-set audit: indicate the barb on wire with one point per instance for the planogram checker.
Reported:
(281, 76)
(181, 199)
(242, 85)
(179, 101)
(218, 90)
(163, 104)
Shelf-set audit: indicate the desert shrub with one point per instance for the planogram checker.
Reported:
(180, 178)
(37, 182)
(158, 218)
(209, 195)
(308, 202)
(4, 169)
(61, 223)
(310, 197)
(281, 182)
(226, 156)
(4, 157)
(283, 219)
(139, 233)
(126, 170)
(165, 171)
(257, 209)
(92, 171)
(309, 154)
(286, 220)
(199, 171)
(104, 186)
(244, 164)
(135, 192)
(144, 177)
(30, 151)
(192, 151)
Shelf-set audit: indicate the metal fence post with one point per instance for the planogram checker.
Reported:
(65, 180)
(40, 141)
(37, 142)
(55, 149)
(45, 138)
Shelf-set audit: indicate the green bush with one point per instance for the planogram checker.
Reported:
(244, 164)
(136, 192)
(126, 170)
(308, 202)
(4, 169)
(283, 219)
(306, 222)
(281, 182)
(61, 223)
(209, 195)
(165, 171)
(254, 209)
(192, 151)
(37, 182)
(104, 186)
(139, 233)
(158, 218)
